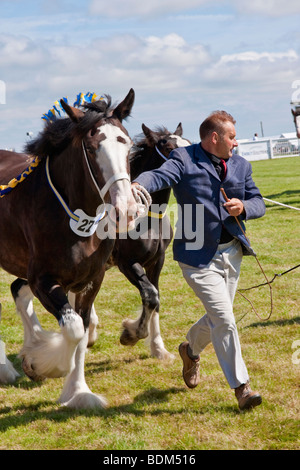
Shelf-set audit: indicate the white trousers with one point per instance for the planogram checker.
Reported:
(216, 285)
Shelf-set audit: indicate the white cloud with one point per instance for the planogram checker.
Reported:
(20, 51)
(271, 8)
(252, 56)
(174, 78)
(267, 74)
(123, 60)
(138, 8)
(166, 64)
(169, 51)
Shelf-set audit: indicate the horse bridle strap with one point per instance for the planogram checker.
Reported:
(117, 177)
(111, 181)
(71, 214)
(160, 153)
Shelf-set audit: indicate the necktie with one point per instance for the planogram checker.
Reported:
(224, 168)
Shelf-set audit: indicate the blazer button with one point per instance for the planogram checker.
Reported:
(218, 240)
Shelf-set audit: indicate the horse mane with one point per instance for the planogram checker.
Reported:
(141, 143)
(58, 135)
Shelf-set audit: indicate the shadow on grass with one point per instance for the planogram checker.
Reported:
(288, 193)
(263, 324)
(146, 403)
(155, 396)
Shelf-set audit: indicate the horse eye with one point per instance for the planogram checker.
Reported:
(163, 141)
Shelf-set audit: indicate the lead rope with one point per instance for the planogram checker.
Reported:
(142, 198)
(262, 270)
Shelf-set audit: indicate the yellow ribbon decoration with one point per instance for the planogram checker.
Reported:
(6, 188)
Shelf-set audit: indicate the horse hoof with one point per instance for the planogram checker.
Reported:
(127, 339)
(29, 371)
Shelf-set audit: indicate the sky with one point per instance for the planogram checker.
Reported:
(184, 59)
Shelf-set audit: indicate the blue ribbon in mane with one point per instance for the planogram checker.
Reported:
(6, 188)
(58, 110)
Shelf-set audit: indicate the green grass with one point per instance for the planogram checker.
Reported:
(149, 406)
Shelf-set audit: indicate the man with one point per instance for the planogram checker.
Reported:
(197, 173)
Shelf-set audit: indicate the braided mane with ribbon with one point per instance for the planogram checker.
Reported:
(52, 115)
(58, 111)
(6, 188)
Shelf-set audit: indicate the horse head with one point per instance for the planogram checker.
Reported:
(164, 141)
(153, 147)
(296, 115)
(107, 145)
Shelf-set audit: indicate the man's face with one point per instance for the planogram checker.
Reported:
(224, 144)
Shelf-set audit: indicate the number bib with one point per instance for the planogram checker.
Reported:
(85, 226)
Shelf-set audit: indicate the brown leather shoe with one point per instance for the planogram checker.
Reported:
(246, 398)
(190, 371)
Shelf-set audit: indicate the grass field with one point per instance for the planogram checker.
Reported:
(149, 406)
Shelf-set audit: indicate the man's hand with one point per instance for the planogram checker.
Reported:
(234, 206)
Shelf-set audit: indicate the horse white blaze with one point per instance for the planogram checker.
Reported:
(112, 155)
(180, 142)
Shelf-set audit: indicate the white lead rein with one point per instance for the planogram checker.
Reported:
(142, 198)
(280, 204)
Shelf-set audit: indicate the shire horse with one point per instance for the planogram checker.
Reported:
(140, 255)
(49, 241)
(296, 114)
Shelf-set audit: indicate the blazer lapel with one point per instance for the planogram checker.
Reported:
(231, 168)
(202, 159)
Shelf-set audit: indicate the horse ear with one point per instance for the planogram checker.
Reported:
(178, 130)
(149, 134)
(293, 112)
(123, 110)
(74, 113)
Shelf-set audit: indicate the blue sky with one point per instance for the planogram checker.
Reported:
(184, 59)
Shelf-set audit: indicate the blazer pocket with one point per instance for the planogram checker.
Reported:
(236, 190)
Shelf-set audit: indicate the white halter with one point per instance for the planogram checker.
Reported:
(117, 177)
(159, 153)
(102, 192)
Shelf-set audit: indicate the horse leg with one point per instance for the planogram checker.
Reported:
(8, 374)
(93, 320)
(76, 393)
(93, 327)
(157, 347)
(47, 353)
(23, 298)
(134, 330)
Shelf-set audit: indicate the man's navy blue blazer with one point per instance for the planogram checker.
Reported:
(194, 180)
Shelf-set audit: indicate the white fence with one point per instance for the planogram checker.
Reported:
(270, 147)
